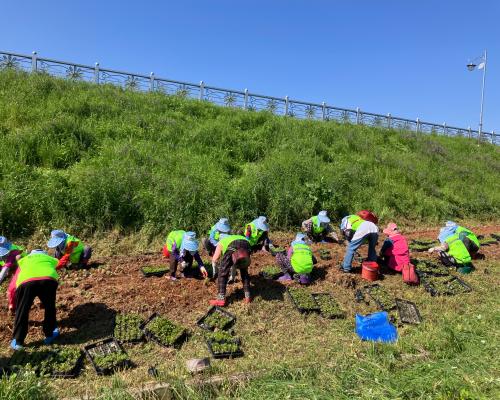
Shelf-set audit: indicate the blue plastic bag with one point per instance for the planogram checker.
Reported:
(376, 327)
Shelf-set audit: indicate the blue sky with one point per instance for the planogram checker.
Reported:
(403, 57)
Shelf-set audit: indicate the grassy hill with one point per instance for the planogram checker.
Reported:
(91, 158)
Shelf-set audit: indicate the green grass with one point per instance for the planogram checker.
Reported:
(94, 158)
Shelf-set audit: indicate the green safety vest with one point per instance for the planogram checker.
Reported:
(217, 233)
(36, 266)
(461, 230)
(15, 247)
(355, 222)
(317, 228)
(458, 250)
(175, 237)
(302, 259)
(255, 234)
(227, 240)
(76, 254)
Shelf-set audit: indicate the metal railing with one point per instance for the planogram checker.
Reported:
(230, 98)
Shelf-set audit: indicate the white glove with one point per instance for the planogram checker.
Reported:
(3, 272)
(184, 265)
(431, 250)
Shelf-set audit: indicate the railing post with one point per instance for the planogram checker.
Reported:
(34, 62)
(444, 128)
(470, 132)
(96, 73)
(418, 125)
(286, 105)
(358, 115)
(389, 120)
(151, 81)
(202, 90)
(245, 103)
(492, 137)
(323, 110)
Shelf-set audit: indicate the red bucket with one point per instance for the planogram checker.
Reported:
(369, 270)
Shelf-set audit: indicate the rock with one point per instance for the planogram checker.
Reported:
(87, 286)
(196, 365)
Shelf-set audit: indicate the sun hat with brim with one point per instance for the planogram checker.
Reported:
(223, 225)
(38, 251)
(323, 218)
(451, 224)
(299, 239)
(56, 238)
(189, 242)
(446, 232)
(4, 246)
(261, 224)
(391, 229)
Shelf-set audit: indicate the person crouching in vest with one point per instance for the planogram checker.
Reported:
(452, 251)
(298, 262)
(318, 229)
(9, 256)
(69, 250)
(349, 225)
(210, 243)
(232, 251)
(37, 277)
(395, 252)
(257, 234)
(367, 231)
(182, 247)
(468, 238)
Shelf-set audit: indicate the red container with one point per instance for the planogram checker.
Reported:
(369, 270)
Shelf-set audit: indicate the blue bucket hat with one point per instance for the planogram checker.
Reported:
(299, 239)
(261, 223)
(38, 251)
(446, 232)
(323, 218)
(223, 225)
(56, 238)
(4, 246)
(189, 242)
(451, 224)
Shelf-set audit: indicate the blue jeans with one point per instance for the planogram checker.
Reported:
(353, 245)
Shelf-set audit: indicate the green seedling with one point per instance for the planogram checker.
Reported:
(303, 299)
(225, 347)
(487, 241)
(271, 270)
(155, 269)
(325, 254)
(127, 327)
(382, 298)
(111, 360)
(47, 360)
(219, 336)
(428, 267)
(64, 359)
(446, 285)
(216, 320)
(328, 307)
(165, 330)
(495, 236)
(424, 242)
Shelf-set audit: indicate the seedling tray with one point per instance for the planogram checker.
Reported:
(271, 275)
(408, 312)
(276, 250)
(325, 255)
(203, 323)
(380, 296)
(106, 347)
(294, 294)
(495, 236)
(213, 351)
(127, 328)
(328, 306)
(445, 285)
(176, 341)
(488, 241)
(426, 267)
(158, 271)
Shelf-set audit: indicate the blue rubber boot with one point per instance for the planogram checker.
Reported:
(50, 339)
(15, 346)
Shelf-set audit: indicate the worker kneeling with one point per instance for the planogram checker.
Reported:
(233, 250)
(37, 278)
(69, 249)
(298, 262)
(452, 251)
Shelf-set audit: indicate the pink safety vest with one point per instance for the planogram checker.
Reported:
(399, 254)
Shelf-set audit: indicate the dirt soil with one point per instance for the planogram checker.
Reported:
(88, 300)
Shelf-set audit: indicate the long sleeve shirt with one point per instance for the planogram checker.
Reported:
(179, 256)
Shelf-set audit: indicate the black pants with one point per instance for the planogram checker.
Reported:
(188, 258)
(46, 291)
(225, 269)
(209, 247)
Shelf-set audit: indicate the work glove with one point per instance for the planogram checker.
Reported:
(3, 273)
(431, 250)
(204, 272)
(184, 265)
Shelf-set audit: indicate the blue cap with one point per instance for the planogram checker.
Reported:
(323, 218)
(38, 251)
(56, 238)
(223, 225)
(4, 246)
(261, 223)
(299, 239)
(189, 242)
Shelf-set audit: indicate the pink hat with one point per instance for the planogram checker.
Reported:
(391, 229)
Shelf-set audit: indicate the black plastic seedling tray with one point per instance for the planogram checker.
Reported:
(105, 347)
(71, 373)
(201, 322)
(130, 338)
(447, 280)
(408, 312)
(234, 354)
(325, 255)
(325, 314)
(379, 301)
(298, 307)
(426, 267)
(177, 343)
(154, 273)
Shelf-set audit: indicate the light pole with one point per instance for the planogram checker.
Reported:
(471, 66)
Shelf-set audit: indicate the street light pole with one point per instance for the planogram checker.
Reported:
(482, 99)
